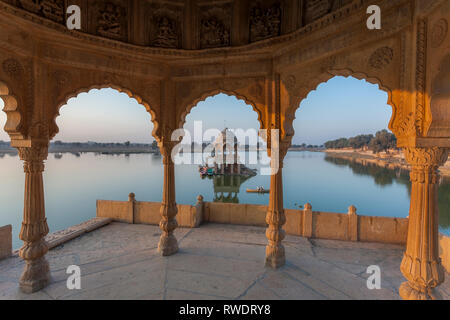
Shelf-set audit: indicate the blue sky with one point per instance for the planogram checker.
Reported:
(342, 107)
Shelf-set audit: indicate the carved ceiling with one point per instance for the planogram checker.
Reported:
(187, 24)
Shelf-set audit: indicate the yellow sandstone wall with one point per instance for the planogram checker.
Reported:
(5, 241)
(231, 213)
(444, 251)
(141, 212)
(305, 223)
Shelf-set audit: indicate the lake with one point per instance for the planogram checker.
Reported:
(73, 183)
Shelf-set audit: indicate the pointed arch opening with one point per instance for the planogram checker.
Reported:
(104, 150)
(345, 153)
(128, 92)
(221, 123)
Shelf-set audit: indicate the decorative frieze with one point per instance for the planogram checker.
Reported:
(422, 28)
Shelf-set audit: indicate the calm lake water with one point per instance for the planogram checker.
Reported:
(74, 183)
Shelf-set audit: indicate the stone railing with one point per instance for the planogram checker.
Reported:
(5, 241)
(314, 224)
(141, 212)
(305, 223)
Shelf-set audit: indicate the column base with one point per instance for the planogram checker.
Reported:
(35, 276)
(275, 257)
(168, 245)
(409, 292)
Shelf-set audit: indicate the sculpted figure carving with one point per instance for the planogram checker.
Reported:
(265, 22)
(31, 5)
(52, 9)
(166, 34)
(214, 33)
(109, 22)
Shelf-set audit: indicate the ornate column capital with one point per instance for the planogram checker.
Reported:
(166, 148)
(425, 163)
(426, 157)
(34, 157)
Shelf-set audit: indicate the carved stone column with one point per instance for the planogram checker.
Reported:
(168, 243)
(36, 274)
(421, 264)
(275, 217)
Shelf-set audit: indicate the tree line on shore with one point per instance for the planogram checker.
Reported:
(382, 141)
(59, 146)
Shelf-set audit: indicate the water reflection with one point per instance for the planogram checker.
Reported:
(383, 176)
(227, 187)
(74, 183)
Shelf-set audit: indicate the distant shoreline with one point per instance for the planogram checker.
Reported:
(392, 160)
(78, 147)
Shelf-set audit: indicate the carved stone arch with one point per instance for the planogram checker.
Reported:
(153, 113)
(14, 118)
(302, 93)
(210, 93)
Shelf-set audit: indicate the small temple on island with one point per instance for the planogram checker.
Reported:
(225, 157)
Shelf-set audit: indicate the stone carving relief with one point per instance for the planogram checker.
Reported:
(431, 157)
(265, 22)
(381, 58)
(166, 26)
(316, 9)
(257, 91)
(439, 33)
(290, 82)
(62, 78)
(111, 18)
(408, 126)
(39, 130)
(215, 27)
(52, 9)
(422, 27)
(12, 68)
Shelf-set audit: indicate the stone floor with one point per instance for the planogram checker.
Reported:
(120, 261)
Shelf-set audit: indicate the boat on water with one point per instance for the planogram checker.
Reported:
(258, 190)
(205, 171)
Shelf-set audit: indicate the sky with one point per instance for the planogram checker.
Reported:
(341, 107)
